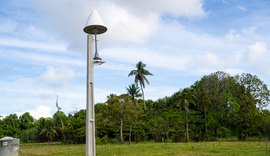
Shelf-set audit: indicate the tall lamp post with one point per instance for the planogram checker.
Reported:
(94, 26)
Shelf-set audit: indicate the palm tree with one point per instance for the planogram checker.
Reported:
(47, 129)
(111, 96)
(134, 91)
(60, 115)
(140, 76)
(185, 100)
(185, 105)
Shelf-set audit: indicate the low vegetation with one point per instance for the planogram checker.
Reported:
(152, 149)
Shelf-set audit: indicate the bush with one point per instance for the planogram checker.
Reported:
(224, 132)
(105, 140)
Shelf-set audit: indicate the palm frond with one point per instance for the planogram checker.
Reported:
(146, 80)
(133, 72)
(146, 72)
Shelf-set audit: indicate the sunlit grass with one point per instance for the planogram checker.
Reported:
(152, 149)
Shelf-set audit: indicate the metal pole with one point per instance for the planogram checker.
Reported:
(90, 111)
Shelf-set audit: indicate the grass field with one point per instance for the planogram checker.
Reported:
(152, 149)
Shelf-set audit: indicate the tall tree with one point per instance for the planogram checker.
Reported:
(59, 121)
(26, 121)
(121, 111)
(212, 91)
(58, 118)
(10, 125)
(203, 103)
(46, 130)
(185, 100)
(185, 105)
(252, 95)
(26, 126)
(115, 111)
(133, 91)
(140, 77)
(256, 87)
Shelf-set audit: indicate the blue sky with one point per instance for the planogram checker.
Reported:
(43, 47)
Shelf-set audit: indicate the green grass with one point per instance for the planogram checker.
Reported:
(152, 149)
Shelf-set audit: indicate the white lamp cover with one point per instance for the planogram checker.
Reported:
(94, 24)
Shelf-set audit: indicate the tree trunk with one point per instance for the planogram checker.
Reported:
(216, 133)
(205, 123)
(143, 97)
(121, 131)
(129, 134)
(167, 134)
(63, 131)
(187, 135)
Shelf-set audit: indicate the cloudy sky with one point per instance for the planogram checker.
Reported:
(43, 47)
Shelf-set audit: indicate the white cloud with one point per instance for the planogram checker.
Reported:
(151, 58)
(233, 35)
(234, 71)
(100, 95)
(30, 94)
(44, 59)
(124, 26)
(206, 62)
(66, 18)
(57, 77)
(40, 111)
(258, 51)
(242, 8)
(18, 43)
(190, 8)
(211, 59)
(245, 33)
(127, 21)
(156, 92)
(7, 26)
(120, 67)
(258, 55)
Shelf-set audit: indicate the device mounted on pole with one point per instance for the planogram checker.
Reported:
(94, 26)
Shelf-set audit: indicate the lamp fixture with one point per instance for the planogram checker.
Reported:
(95, 26)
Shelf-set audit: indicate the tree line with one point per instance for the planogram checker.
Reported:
(216, 106)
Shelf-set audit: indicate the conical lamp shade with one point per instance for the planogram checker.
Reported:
(94, 24)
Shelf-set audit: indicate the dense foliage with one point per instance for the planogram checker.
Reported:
(217, 106)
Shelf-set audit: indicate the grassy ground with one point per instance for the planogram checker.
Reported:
(152, 149)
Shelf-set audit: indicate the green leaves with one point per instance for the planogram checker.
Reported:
(254, 86)
(134, 91)
(140, 76)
